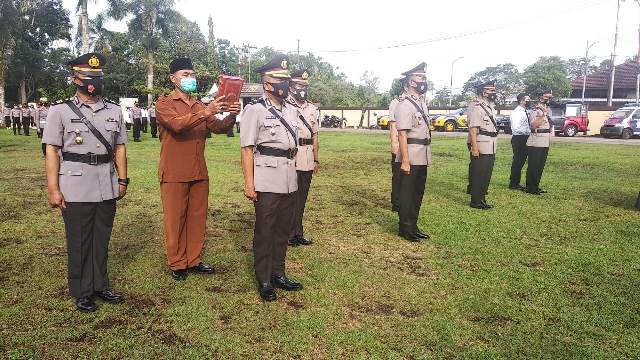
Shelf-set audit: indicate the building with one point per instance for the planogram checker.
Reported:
(597, 85)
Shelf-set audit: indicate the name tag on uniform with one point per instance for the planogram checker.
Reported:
(111, 120)
(270, 117)
(76, 120)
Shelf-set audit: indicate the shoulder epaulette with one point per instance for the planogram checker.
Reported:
(111, 101)
(61, 102)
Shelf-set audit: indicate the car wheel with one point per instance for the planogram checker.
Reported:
(449, 126)
(627, 134)
(571, 131)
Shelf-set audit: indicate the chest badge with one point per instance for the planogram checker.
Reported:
(79, 140)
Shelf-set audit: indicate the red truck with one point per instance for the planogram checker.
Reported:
(570, 118)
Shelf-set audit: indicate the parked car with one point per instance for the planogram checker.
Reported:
(382, 121)
(457, 120)
(623, 123)
(503, 123)
(568, 119)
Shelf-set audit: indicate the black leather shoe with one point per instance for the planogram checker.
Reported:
(303, 241)
(179, 275)
(267, 293)
(109, 296)
(282, 282)
(479, 205)
(488, 206)
(542, 191)
(533, 192)
(410, 237)
(293, 241)
(202, 269)
(86, 304)
(517, 187)
(422, 235)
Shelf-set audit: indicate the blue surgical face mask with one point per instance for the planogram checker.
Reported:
(188, 85)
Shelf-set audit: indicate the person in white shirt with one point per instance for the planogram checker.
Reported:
(520, 131)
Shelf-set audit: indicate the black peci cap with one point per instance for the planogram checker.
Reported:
(178, 64)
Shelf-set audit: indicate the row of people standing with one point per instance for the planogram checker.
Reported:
(411, 147)
(142, 119)
(22, 118)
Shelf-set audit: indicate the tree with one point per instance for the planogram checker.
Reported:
(212, 51)
(441, 98)
(8, 31)
(150, 19)
(508, 81)
(605, 65)
(547, 73)
(576, 67)
(83, 26)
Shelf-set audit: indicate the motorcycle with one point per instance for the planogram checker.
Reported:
(332, 121)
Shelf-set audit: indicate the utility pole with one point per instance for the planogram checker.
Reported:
(613, 59)
(451, 82)
(587, 61)
(298, 53)
(638, 60)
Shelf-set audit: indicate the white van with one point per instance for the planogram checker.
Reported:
(623, 123)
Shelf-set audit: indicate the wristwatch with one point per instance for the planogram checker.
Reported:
(124, 182)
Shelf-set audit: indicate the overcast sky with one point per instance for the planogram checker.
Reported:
(485, 33)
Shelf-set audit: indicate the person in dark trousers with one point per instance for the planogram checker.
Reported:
(153, 122)
(483, 135)
(16, 120)
(538, 142)
(136, 114)
(84, 137)
(26, 118)
(519, 122)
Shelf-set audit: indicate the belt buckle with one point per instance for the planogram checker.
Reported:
(93, 159)
(292, 153)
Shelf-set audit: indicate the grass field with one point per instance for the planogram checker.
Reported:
(556, 276)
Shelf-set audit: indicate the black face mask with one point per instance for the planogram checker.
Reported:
(421, 87)
(280, 90)
(491, 97)
(527, 104)
(300, 94)
(91, 86)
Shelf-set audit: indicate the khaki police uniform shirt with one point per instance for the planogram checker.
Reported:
(26, 112)
(16, 113)
(540, 139)
(260, 127)
(410, 119)
(304, 158)
(136, 112)
(478, 118)
(393, 131)
(152, 112)
(6, 111)
(41, 116)
(80, 182)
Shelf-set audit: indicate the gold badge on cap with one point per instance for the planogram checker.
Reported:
(284, 64)
(94, 61)
(305, 75)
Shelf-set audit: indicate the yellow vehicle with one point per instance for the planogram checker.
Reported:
(383, 122)
(457, 120)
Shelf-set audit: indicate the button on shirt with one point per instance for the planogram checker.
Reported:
(519, 121)
(183, 128)
(260, 127)
(80, 182)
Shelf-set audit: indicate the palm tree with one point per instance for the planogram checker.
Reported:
(83, 25)
(149, 22)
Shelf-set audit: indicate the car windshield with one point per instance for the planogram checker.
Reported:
(621, 113)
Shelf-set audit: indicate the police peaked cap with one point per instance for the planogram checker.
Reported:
(277, 67)
(421, 69)
(89, 64)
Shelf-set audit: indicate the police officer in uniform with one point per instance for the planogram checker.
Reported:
(482, 141)
(6, 111)
(268, 138)
(396, 174)
(26, 118)
(83, 182)
(41, 115)
(153, 121)
(414, 155)
(136, 114)
(308, 146)
(16, 120)
(538, 142)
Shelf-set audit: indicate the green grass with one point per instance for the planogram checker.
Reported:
(556, 276)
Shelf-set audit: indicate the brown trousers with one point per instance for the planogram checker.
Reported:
(273, 229)
(304, 184)
(185, 218)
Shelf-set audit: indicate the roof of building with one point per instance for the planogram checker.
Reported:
(625, 77)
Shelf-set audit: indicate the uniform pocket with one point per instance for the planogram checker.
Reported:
(70, 169)
(266, 161)
(111, 126)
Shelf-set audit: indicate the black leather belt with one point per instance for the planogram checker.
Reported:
(419, 141)
(305, 141)
(487, 133)
(91, 159)
(542, 131)
(269, 151)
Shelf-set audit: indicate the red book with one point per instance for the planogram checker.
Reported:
(230, 87)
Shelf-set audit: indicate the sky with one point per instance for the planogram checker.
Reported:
(390, 37)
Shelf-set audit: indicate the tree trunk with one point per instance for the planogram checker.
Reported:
(2, 93)
(150, 63)
(84, 27)
(362, 118)
(23, 91)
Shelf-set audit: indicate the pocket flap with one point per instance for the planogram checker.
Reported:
(111, 126)
(77, 126)
(267, 161)
(71, 169)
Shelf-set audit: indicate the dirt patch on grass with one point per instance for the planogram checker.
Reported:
(294, 304)
(170, 338)
(109, 323)
(532, 264)
(54, 251)
(218, 289)
(495, 320)
(10, 241)
(142, 303)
